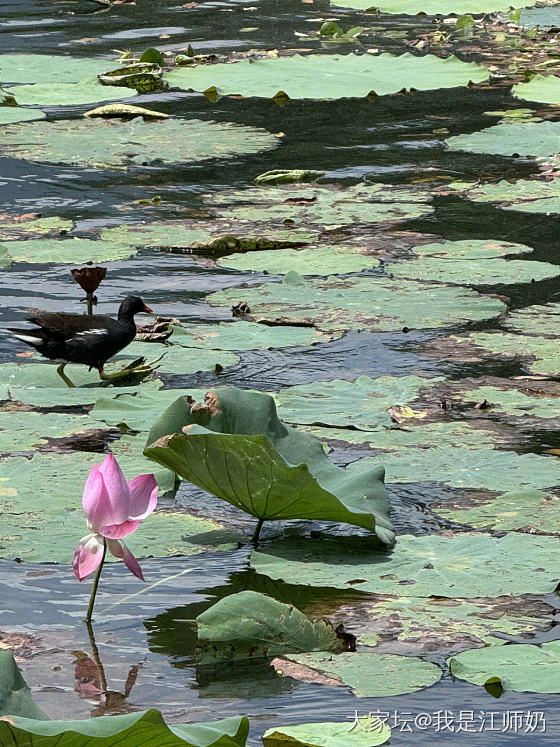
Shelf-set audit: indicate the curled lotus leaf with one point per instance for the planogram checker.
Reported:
(462, 566)
(288, 176)
(112, 143)
(329, 76)
(125, 110)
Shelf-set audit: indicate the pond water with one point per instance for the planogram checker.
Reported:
(145, 636)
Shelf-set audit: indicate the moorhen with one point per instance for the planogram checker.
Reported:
(81, 338)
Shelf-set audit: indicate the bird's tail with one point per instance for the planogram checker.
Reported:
(29, 336)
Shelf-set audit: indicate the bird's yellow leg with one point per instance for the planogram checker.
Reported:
(135, 367)
(65, 379)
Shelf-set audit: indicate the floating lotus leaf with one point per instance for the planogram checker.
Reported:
(215, 237)
(176, 359)
(528, 510)
(327, 76)
(87, 91)
(363, 403)
(44, 524)
(113, 143)
(460, 467)
(44, 68)
(15, 696)
(38, 384)
(429, 7)
(32, 227)
(359, 303)
(460, 566)
(11, 114)
(252, 625)
(539, 321)
(372, 675)
(20, 431)
(370, 733)
(140, 727)
(306, 206)
(419, 625)
(242, 335)
(545, 89)
(472, 272)
(545, 17)
(248, 457)
(469, 249)
(518, 667)
(511, 138)
(524, 195)
(324, 260)
(512, 401)
(67, 251)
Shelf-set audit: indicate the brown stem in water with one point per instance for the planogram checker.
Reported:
(89, 301)
(96, 657)
(96, 584)
(258, 528)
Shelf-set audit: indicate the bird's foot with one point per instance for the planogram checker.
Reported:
(137, 367)
(65, 379)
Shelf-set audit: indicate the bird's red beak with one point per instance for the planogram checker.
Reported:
(147, 309)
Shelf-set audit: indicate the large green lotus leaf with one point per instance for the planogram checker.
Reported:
(139, 728)
(38, 384)
(527, 510)
(307, 206)
(32, 227)
(524, 195)
(519, 667)
(430, 7)
(20, 431)
(372, 675)
(12, 114)
(44, 68)
(177, 359)
(460, 566)
(67, 251)
(541, 321)
(324, 260)
(528, 138)
(490, 469)
(251, 625)
(112, 143)
(475, 272)
(514, 402)
(138, 410)
(248, 457)
(361, 404)
(42, 516)
(362, 303)
(370, 733)
(15, 696)
(54, 93)
(545, 89)
(213, 237)
(329, 76)
(469, 249)
(420, 625)
(241, 335)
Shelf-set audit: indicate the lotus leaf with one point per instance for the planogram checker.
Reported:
(11, 114)
(329, 76)
(242, 335)
(125, 110)
(15, 696)
(20, 431)
(469, 249)
(370, 733)
(112, 143)
(518, 667)
(545, 89)
(419, 625)
(176, 359)
(288, 176)
(43, 524)
(372, 675)
(361, 404)
(140, 727)
(249, 624)
(33, 227)
(358, 303)
(524, 195)
(541, 321)
(526, 138)
(460, 566)
(44, 68)
(528, 510)
(490, 469)
(67, 251)
(324, 260)
(307, 206)
(214, 237)
(87, 91)
(546, 16)
(249, 458)
(515, 402)
(429, 7)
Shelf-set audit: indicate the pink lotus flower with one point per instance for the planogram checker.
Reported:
(114, 508)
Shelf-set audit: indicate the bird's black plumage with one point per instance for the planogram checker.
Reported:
(81, 338)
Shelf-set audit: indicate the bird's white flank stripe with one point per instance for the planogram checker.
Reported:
(30, 339)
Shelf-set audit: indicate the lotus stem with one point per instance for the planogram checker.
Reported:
(258, 528)
(89, 301)
(96, 657)
(96, 584)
